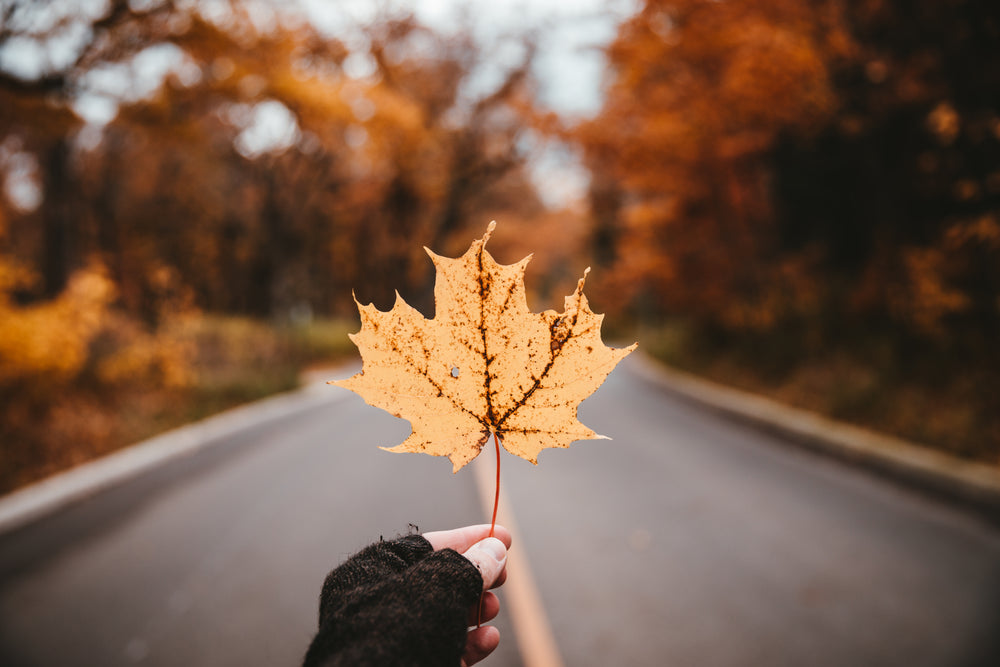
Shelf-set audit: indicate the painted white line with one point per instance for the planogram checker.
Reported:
(520, 594)
(49, 495)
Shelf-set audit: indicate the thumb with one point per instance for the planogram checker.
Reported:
(489, 556)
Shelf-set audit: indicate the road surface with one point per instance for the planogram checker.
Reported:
(687, 540)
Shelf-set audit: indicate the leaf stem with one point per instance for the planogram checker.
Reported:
(496, 495)
(493, 521)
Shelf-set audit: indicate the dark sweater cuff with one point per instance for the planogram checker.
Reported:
(371, 565)
(398, 603)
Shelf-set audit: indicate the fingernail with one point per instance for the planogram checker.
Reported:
(494, 547)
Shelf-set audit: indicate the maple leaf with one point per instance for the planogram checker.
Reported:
(484, 364)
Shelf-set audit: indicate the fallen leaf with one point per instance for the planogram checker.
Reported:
(484, 363)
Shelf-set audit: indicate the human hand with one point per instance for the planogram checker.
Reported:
(489, 555)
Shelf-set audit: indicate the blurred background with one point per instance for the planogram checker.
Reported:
(797, 197)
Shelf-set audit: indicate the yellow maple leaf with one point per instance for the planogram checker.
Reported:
(484, 364)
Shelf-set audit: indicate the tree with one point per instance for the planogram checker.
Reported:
(814, 187)
(697, 93)
(187, 181)
(900, 188)
(805, 161)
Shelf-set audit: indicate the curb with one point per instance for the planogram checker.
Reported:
(973, 485)
(38, 500)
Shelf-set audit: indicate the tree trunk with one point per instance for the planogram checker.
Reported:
(58, 232)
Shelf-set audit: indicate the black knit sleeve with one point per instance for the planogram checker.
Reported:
(398, 603)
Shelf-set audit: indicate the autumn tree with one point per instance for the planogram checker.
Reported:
(803, 181)
(165, 159)
(901, 187)
(185, 181)
(697, 94)
(760, 162)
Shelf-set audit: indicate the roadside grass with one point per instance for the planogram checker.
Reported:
(930, 398)
(227, 361)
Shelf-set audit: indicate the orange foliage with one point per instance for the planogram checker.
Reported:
(177, 206)
(699, 91)
(792, 179)
(53, 338)
(49, 339)
(764, 162)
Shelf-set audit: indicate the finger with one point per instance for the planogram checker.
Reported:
(480, 643)
(501, 578)
(490, 557)
(490, 608)
(460, 539)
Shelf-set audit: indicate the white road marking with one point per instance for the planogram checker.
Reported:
(519, 594)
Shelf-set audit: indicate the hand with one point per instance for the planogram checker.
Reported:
(489, 555)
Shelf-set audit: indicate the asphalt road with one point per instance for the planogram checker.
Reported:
(687, 540)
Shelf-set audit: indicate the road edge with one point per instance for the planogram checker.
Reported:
(47, 496)
(976, 486)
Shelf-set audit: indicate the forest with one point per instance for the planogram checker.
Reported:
(796, 197)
